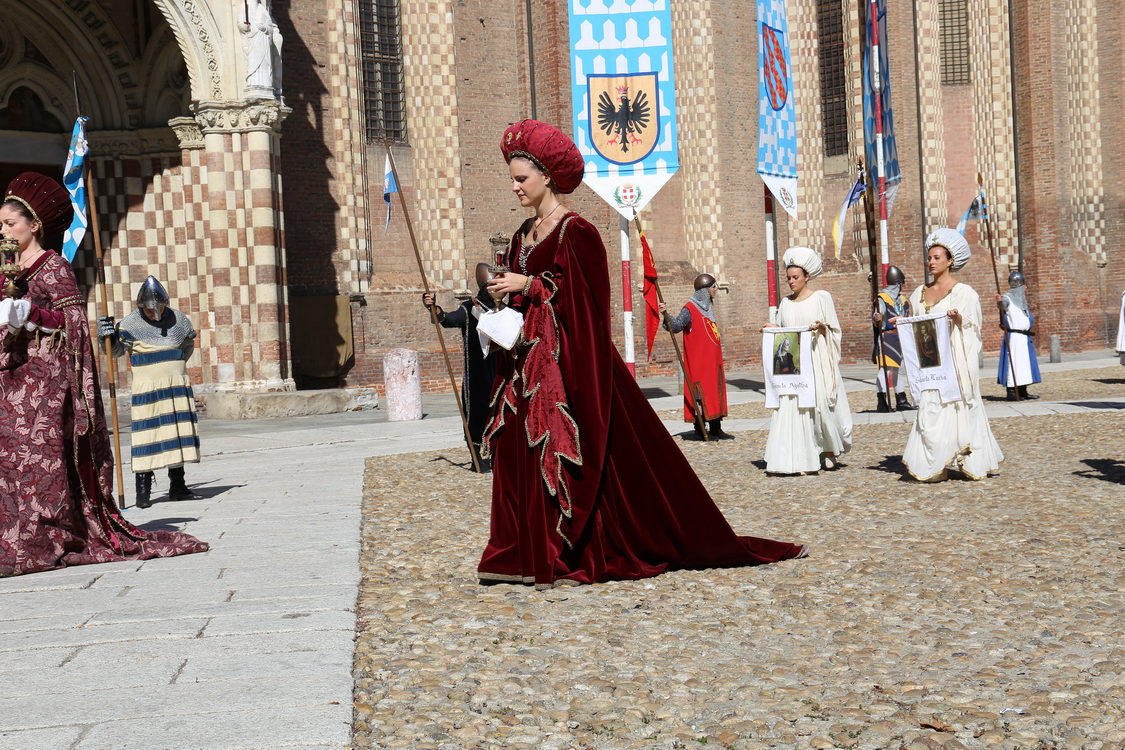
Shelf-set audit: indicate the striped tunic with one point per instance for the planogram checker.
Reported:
(164, 421)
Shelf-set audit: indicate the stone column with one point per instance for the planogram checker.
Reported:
(244, 243)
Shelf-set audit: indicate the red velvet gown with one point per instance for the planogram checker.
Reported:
(56, 465)
(588, 485)
(703, 360)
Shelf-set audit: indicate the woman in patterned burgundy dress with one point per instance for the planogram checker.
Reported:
(588, 485)
(56, 466)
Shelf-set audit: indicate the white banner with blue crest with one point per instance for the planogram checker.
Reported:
(623, 98)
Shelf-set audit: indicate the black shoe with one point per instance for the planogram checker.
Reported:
(715, 430)
(884, 406)
(144, 489)
(901, 404)
(1024, 395)
(1012, 394)
(179, 489)
(697, 434)
(486, 466)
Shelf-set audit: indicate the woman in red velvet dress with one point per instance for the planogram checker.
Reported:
(588, 485)
(56, 466)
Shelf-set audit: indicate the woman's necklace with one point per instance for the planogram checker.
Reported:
(535, 228)
(25, 264)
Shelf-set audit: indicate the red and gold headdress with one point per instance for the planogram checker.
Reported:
(548, 148)
(47, 200)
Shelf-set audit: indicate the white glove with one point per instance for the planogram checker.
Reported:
(5, 310)
(18, 314)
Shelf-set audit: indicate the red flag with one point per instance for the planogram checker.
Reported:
(652, 312)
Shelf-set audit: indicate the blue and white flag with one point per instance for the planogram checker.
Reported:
(890, 148)
(974, 213)
(623, 98)
(777, 116)
(389, 186)
(74, 180)
(850, 200)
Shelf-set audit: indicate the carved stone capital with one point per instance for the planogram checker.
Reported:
(188, 131)
(239, 116)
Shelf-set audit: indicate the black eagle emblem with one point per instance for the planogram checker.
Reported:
(626, 122)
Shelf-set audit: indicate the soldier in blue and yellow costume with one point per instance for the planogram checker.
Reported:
(890, 303)
(159, 341)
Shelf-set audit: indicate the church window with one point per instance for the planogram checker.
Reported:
(953, 20)
(380, 42)
(833, 81)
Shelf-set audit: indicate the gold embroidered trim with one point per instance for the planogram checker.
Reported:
(34, 216)
(71, 301)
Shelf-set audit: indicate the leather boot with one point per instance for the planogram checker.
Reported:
(1024, 395)
(715, 430)
(1011, 394)
(901, 404)
(884, 406)
(178, 489)
(144, 489)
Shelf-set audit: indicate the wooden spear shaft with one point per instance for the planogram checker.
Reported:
(996, 277)
(433, 310)
(699, 421)
(107, 344)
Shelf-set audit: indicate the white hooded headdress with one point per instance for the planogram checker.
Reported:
(803, 257)
(953, 241)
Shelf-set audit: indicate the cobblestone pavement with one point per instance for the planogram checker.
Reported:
(957, 615)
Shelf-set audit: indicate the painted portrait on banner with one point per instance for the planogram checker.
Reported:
(926, 342)
(786, 354)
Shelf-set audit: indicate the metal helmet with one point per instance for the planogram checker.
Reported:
(704, 281)
(1016, 279)
(153, 296)
(895, 276)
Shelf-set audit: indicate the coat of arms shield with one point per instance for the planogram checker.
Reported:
(624, 115)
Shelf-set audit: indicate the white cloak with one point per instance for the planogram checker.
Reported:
(955, 435)
(798, 436)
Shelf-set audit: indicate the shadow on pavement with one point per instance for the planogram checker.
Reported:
(1110, 381)
(166, 524)
(1098, 404)
(1105, 469)
(745, 384)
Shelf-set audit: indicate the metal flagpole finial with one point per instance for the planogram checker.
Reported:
(77, 99)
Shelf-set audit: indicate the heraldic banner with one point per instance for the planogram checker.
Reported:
(890, 148)
(623, 98)
(777, 117)
(787, 362)
(928, 356)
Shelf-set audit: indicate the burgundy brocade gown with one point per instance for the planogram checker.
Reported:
(588, 485)
(56, 466)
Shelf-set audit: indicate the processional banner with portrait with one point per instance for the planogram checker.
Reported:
(928, 356)
(787, 362)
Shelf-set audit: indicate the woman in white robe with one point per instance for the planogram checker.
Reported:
(954, 436)
(799, 438)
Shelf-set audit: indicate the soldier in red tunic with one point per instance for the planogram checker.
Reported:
(703, 359)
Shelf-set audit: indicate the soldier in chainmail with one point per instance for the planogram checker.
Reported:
(1020, 368)
(159, 341)
(703, 359)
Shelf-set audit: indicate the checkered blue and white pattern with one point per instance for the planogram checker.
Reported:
(777, 116)
(74, 180)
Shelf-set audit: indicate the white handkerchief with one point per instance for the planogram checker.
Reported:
(503, 326)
